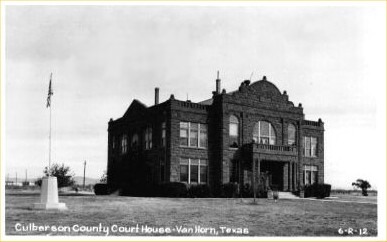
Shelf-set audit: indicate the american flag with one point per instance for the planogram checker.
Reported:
(50, 93)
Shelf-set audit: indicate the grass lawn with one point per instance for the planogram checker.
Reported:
(266, 218)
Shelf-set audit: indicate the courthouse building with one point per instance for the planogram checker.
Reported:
(217, 141)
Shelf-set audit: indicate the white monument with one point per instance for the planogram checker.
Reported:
(49, 195)
(49, 190)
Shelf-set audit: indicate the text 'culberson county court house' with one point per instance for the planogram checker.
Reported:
(217, 141)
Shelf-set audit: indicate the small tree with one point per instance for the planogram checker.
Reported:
(62, 173)
(363, 185)
(103, 178)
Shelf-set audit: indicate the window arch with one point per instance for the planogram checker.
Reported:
(134, 140)
(291, 134)
(124, 144)
(264, 133)
(234, 131)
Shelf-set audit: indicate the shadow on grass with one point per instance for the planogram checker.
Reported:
(76, 195)
(37, 194)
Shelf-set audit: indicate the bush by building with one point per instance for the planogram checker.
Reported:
(230, 190)
(101, 189)
(200, 190)
(173, 189)
(317, 190)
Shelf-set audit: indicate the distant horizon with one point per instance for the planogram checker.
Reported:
(98, 179)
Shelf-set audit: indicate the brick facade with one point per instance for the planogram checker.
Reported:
(288, 166)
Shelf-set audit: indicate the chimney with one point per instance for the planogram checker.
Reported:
(218, 84)
(157, 95)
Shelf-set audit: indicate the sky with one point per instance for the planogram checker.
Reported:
(330, 57)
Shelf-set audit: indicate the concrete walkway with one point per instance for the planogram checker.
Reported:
(339, 201)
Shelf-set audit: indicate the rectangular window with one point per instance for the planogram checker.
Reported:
(184, 173)
(193, 170)
(163, 134)
(113, 142)
(203, 136)
(234, 171)
(307, 177)
(193, 134)
(194, 173)
(313, 146)
(310, 146)
(183, 133)
(184, 170)
(310, 174)
(124, 144)
(307, 146)
(148, 138)
(203, 174)
(234, 130)
(162, 170)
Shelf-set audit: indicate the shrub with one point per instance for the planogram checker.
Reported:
(101, 189)
(247, 191)
(230, 190)
(318, 190)
(138, 190)
(199, 191)
(173, 189)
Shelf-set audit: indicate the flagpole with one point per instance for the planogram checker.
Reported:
(49, 137)
(49, 152)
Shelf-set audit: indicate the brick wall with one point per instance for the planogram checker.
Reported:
(260, 101)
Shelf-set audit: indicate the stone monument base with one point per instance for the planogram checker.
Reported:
(49, 195)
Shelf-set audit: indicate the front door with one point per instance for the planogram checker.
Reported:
(275, 171)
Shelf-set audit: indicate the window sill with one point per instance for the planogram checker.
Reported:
(194, 183)
(190, 147)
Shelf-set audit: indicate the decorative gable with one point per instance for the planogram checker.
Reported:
(136, 108)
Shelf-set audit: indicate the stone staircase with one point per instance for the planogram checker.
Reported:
(287, 195)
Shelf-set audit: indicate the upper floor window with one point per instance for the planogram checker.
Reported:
(184, 128)
(310, 146)
(193, 170)
(134, 140)
(193, 134)
(234, 131)
(148, 138)
(203, 135)
(264, 133)
(163, 133)
(113, 142)
(124, 144)
(291, 134)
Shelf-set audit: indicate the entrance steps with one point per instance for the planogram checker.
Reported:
(286, 195)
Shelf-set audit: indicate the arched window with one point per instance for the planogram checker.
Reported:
(291, 134)
(124, 144)
(234, 131)
(264, 133)
(148, 138)
(134, 140)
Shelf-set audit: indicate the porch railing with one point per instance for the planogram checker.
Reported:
(279, 148)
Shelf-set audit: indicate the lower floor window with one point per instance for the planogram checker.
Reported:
(193, 170)
(234, 171)
(162, 170)
(310, 174)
